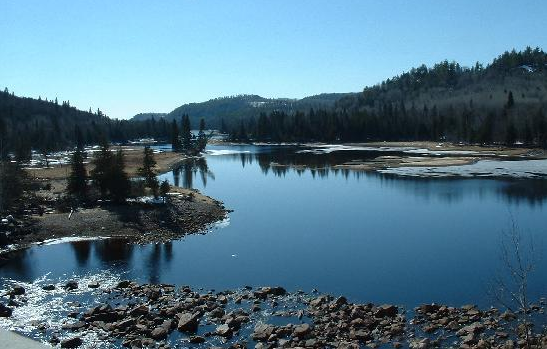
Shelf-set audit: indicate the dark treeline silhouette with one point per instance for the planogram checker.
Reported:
(504, 102)
(47, 126)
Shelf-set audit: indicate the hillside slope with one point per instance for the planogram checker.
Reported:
(235, 108)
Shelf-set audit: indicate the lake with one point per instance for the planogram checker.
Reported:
(302, 224)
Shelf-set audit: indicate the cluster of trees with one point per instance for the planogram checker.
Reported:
(395, 122)
(186, 142)
(109, 177)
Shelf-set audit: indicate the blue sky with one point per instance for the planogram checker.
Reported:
(126, 57)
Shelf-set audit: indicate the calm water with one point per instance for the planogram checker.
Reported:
(372, 237)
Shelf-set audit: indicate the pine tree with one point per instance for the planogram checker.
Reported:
(186, 133)
(164, 189)
(510, 100)
(175, 140)
(101, 175)
(202, 138)
(77, 181)
(120, 185)
(147, 171)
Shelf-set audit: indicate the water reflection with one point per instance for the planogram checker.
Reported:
(190, 168)
(282, 160)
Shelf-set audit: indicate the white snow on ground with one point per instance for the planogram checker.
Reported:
(329, 148)
(482, 168)
(225, 152)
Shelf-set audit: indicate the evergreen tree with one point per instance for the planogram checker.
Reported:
(147, 171)
(175, 140)
(120, 185)
(77, 181)
(186, 133)
(101, 174)
(202, 138)
(164, 189)
(510, 100)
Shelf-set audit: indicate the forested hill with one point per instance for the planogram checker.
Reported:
(448, 84)
(503, 102)
(28, 123)
(235, 108)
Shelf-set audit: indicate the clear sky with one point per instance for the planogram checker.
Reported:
(126, 57)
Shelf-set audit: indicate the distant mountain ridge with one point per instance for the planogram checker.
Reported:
(235, 108)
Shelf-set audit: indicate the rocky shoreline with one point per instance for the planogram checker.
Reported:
(165, 316)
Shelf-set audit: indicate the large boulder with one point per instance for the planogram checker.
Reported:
(74, 342)
(224, 331)
(188, 322)
(386, 310)
(301, 331)
(262, 332)
(5, 311)
(17, 291)
(71, 285)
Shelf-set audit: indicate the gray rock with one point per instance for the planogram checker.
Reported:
(224, 331)
(301, 331)
(74, 342)
(188, 322)
(71, 285)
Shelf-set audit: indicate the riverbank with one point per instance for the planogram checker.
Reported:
(128, 314)
(186, 211)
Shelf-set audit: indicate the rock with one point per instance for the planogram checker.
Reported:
(262, 332)
(140, 310)
(159, 332)
(17, 291)
(5, 311)
(301, 331)
(74, 342)
(94, 284)
(386, 310)
(48, 287)
(124, 284)
(197, 339)
(341, 301)
(224, 331)
(419, 343)
(71, 285)
(319, 301)
(188, 322)
(428, 308)
(508, 316)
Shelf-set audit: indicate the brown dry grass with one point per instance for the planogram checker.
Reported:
(133, 160)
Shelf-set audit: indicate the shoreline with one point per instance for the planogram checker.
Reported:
(186, 211)
(125, 313)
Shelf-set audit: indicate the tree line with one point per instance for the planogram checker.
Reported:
(446, 102)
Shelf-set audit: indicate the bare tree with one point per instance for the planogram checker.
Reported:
(510, 288)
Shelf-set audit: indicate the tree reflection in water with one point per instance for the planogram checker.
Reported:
(190, 168)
